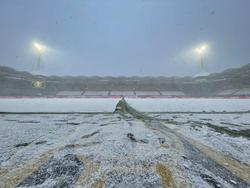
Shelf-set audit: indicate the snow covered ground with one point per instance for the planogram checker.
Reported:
(190, 105)
(205, 128)
(108, 105)
(119, 150)
(57, 105)
(99, 141)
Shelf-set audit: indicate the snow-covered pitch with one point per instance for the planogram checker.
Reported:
(109, 104)
(69, 142)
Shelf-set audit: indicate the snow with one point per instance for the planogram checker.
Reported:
(190, 105)
(109, 104)
(110, 148)
(194, 126)
(100, 140)
(57, 105)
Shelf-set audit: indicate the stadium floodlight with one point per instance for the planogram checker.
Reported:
(201, 50)
(40, 50)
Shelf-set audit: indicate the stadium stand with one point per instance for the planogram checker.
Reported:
(122, 93)
(228, 92)
(96, 93)
(172, 93)
(243, 92)
(147, 93)
(69, 93)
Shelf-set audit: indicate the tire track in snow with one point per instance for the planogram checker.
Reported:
(193, 153)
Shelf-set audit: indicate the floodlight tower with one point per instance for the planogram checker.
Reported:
(201, 50)
(40, 50)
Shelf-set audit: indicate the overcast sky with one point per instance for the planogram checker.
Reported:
(125, 37)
